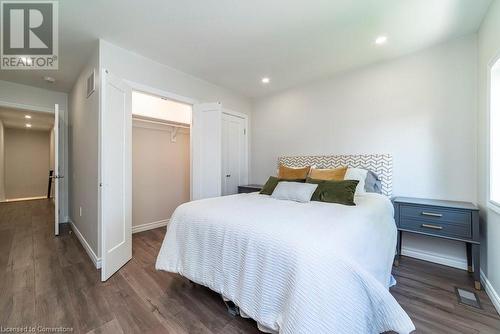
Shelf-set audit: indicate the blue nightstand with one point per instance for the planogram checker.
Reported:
(441, 219)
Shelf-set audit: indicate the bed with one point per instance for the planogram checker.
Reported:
(292, 267)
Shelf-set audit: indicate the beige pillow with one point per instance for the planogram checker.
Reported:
(328, 174)
(292, 173)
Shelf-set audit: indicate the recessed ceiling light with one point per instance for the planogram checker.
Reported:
(265, 80)
(28, 125)
(381, 40)
(27, 116)
(49, 79)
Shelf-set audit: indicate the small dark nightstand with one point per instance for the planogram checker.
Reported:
(441, 219)
(249, 188)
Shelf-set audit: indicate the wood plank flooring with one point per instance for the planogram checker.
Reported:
(50, 282)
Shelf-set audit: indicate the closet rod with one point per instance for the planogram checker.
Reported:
(161, 123)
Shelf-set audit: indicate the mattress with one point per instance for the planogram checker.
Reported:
(293, 267)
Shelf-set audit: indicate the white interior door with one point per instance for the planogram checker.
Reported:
(115, 131)
(234, 162)
(57, 174)
(206, 150)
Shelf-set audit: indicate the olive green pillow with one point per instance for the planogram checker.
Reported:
(341, 192)
(272, 182)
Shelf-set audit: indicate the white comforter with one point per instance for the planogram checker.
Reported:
(293, 267)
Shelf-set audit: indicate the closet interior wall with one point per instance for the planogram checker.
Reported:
(160, 172)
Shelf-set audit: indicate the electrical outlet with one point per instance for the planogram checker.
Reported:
(80, 211)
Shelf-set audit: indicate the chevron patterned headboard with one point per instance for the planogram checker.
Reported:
(380, 164)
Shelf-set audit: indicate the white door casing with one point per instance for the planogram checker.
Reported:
(234, 162)
(115, 213)
(56, 175)
(206, 151)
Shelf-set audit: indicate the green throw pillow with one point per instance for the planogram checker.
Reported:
(341, 192)
(272, 182)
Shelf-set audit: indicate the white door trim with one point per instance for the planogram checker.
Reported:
(235, 113)
(160, 93)
(56, 175)
(26, 107)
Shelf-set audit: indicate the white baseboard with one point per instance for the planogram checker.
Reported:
(24, 199)
(135, 229)
(149, 226)
(490, 291)
(96, 260)
(435, 257)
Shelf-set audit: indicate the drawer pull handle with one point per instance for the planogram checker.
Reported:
(434, 227)
(432, 214)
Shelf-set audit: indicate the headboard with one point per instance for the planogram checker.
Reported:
(380, 164)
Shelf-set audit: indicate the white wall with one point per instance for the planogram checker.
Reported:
(83, 154)
(32, 98)
(160, 172)
(26, 163)
(2, 163)
(419, 108)
(133, 67)
(489, 49)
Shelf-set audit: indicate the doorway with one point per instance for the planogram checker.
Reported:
(22, 174)
(234, 152)
(160, 159)
(27, 155)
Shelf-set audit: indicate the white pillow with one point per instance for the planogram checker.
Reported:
(359, 175)
(294, 191)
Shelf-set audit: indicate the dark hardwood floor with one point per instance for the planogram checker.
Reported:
(50, 282)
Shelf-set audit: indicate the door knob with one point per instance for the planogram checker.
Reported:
(228, 175)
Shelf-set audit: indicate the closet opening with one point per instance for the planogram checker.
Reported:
(160, 159)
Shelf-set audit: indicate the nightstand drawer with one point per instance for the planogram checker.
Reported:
(436, 214)
(442, 228)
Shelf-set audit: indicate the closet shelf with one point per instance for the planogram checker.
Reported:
(175, 126)
(172, 124)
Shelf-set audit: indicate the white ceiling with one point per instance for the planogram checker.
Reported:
(14, 118)
(235, 43)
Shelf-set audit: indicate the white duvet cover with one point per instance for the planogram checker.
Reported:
(293, 267)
